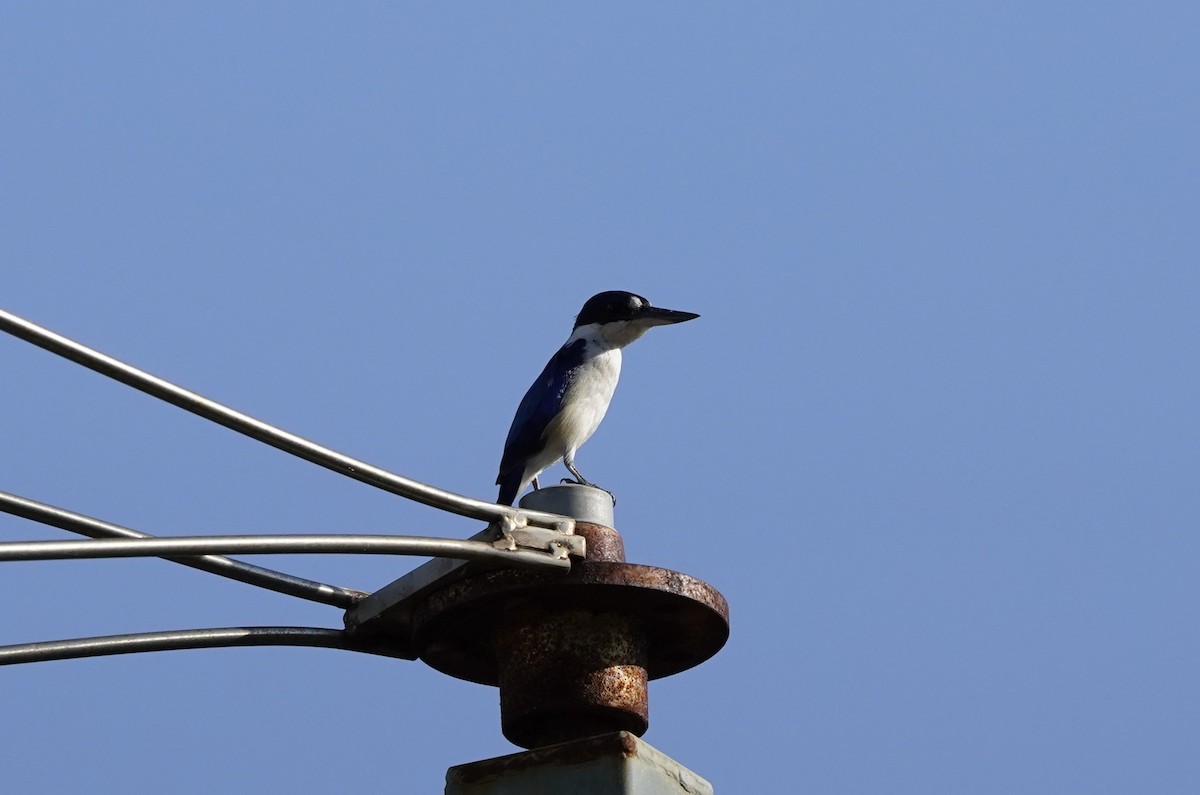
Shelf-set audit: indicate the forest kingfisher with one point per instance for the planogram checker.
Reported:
(565, 405)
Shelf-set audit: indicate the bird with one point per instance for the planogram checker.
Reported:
(565, 405)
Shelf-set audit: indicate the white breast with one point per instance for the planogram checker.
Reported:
(585, 401)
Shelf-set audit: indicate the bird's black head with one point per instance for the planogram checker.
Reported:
(615, 306)
(610, 306)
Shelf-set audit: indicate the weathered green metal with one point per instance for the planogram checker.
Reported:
(611, 764)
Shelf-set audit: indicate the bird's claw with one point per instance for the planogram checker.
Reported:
(582, 482)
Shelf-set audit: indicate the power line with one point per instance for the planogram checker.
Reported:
(276, 544)
(174, 640)
(276, 437)
(213, 564)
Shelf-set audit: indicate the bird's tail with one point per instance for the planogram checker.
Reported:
(510, 485)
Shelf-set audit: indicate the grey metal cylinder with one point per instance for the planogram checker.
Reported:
(585, 503)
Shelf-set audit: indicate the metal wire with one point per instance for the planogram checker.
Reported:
(214, 564)
(281, 544)
(172, 640)
(202, 552)
(268, 434)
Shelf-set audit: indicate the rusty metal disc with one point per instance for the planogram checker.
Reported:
(685, 620)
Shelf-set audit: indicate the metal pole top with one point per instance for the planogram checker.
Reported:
(581, 503)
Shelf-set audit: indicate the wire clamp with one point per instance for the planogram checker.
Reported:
(561, 541)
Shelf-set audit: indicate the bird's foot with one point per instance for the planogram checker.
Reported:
(582, 482)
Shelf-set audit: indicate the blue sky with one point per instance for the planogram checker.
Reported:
(934, 436)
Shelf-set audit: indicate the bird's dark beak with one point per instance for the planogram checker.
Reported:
(656, 316)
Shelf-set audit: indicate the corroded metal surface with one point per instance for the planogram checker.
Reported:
(566, 674)
(687, 619)
(603, 543)
(572, 652)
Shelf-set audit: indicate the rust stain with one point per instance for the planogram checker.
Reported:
(572, 653)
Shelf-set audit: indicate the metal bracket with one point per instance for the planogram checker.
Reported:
(387, 614)
(563, 542)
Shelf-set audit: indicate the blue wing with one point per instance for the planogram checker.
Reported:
(537, 409)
